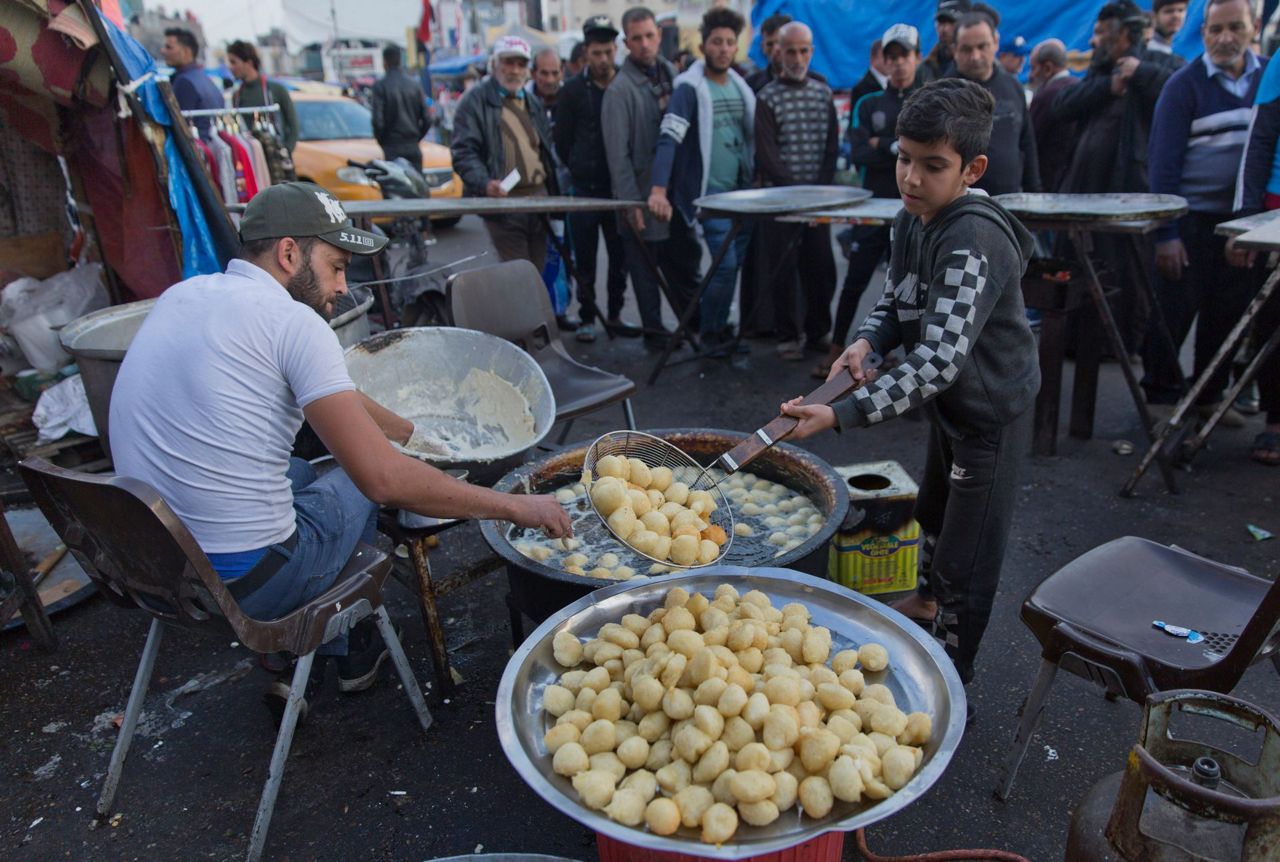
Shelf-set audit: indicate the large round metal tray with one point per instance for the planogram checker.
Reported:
(920, 676)
(780, 200)
(1092, 207)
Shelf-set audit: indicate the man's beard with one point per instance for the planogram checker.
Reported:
(305, 288)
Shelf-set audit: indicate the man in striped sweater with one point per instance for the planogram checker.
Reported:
(1198, 134)
(797, 138)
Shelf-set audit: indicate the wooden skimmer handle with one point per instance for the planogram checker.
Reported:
(758, 443)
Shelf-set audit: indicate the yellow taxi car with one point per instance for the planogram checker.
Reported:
(333, 129)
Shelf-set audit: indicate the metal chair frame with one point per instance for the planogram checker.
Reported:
(1101, 657)
(140, 554)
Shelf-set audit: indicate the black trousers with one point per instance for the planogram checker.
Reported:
(870, 247)
(1267, 322)
(584, 236)
(965, 509)
(679, 257)
(812, 262)
(1210, 293)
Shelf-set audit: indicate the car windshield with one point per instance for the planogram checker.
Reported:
(332, 120)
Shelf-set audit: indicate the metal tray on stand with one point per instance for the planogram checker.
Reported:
(920, 676)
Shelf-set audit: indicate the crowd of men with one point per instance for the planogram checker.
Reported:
(1141, 119)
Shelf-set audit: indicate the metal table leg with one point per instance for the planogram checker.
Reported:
(389, 318)
(1160, 446)
(431, 614)
(1157, 311)
(682, 330)
(1078, 242)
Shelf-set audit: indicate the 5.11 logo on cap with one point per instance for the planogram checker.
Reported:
(366, 241)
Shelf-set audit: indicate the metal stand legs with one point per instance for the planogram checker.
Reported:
(141, 680)
(1031, 711)
(275, 774)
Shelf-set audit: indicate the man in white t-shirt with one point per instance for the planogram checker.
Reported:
(214, 389)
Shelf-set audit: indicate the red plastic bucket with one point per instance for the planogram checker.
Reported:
(827, 847)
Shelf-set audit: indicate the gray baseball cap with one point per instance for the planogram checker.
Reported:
(305, 209)
(901, 34)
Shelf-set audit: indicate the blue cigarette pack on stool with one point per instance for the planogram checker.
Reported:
(877, 547)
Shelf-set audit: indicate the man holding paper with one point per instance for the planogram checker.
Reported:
(502, 147)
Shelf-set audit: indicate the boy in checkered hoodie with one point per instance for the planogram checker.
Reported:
(953, 302)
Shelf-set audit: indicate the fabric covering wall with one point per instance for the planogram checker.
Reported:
(843, 30)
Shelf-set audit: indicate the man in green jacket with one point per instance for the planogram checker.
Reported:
(256, 91)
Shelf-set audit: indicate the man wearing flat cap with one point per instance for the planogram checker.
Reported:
(214, 389)
(502, 147)
(940, 62)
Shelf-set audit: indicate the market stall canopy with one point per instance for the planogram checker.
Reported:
(455, 66)
(536, 38)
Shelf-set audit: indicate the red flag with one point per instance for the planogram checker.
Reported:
(424, 26)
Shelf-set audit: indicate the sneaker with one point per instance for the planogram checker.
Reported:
(586, 333)
(792, 351)
(1248, 401)
(358, 669)
(567, 323)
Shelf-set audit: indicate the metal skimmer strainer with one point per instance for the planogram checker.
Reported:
(655, 452)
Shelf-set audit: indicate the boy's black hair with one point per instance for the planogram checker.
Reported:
(716, 19)
(1127, 15)
(246, 53)
(185, 38)
(953, 110)
(578, 52)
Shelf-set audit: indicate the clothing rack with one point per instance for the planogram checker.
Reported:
(217, 112)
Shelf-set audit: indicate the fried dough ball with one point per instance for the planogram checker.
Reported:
(570, 759)
(639, 502)
(719, 823)
(845, 780)
(641, 780)
(708, 551)
(595, 788)
(613, 466)
(640, 473)
(897, 766)
(662, 816)
(656, 522)
(742, 530)
(787, 788)
(693, 802)
(677, 492)
(918, 730)
(633, 752)
(557, 700)
(712, 764)
(715, 534)
(622, 521)
(846, 659)
(760, 813)
(627, 807)
(559, 736)
(873, 657)
(608, 495)
(815, 796)
(752, 785)
(684, 550)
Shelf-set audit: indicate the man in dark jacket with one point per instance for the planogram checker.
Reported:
(191, 86)
(1113, 108)
(1012, 165)
(502, 147)
(1055, 138)
(399, 111)
(874, 140)
(874, 79)
(941, 60)
(769, 47)
(580, 145)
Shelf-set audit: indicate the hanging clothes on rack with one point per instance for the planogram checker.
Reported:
(244, 150)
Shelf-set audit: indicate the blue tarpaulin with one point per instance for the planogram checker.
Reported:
(458, 65)
(843, 30)
(199, 256)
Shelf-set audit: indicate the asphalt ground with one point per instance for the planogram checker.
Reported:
(364, 783)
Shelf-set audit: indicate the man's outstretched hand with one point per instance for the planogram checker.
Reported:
(542, 511)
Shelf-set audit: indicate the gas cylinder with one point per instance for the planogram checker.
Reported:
(1184, 800)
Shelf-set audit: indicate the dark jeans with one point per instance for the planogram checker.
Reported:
(870, 246)
(965, 509)
(679, 258)
(812, 262)
(333, 516)
(1210, 290)
(584, 236)
(519, 237)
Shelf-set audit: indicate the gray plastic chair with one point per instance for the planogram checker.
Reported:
(141, 555)
(509, 300)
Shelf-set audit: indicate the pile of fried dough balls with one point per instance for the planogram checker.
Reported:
(655, 514)
(711, 711)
